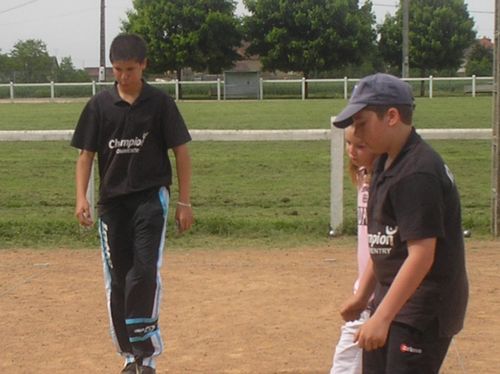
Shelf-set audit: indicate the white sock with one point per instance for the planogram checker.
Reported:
(149, 361)
(129, 359)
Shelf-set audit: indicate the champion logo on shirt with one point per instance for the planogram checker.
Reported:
(382, 243)
(128, 145)
(406, 348)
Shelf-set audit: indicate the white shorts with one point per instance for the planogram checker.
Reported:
(348, 357)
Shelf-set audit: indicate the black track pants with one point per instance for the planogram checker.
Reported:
(132, 240)
(408, 351)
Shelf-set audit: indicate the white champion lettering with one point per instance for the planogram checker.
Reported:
(380, 251)
(380, 243)
(128, 145)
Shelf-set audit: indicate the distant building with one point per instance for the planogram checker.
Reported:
(252, 64)
(486, 42)
(247, 63)
(93, 73)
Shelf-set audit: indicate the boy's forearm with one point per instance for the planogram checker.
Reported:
(410, 276)
(183, 165)
(83, 172)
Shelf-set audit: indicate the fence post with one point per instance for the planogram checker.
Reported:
(218, 89)
(93, 88)
(11, 88)
(261, 88)
(52, 95)
(336, 179)
(473, 85)
(431, 87)
(303, 88)
(176, 89)
(346, 88)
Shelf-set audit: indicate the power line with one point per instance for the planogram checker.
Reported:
(386, 5)
(18, 6)
(470, 11)
(55, 16)
(482, 11)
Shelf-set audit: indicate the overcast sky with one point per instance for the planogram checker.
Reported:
(71, 27)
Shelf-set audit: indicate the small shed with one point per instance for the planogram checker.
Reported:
(241, 85)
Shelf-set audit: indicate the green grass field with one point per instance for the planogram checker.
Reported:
(244, 193)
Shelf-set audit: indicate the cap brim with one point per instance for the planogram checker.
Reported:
(344, 119)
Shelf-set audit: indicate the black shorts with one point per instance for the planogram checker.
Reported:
(408, 351)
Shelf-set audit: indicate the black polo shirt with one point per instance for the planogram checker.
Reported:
(416, 198)
(131, 141)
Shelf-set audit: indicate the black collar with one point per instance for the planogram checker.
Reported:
(146, 92)
(411, 142)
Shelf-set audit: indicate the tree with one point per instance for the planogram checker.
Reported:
(439, 33)
(31, 61)
(309, 36)
(479, 61)
(67, 72)
(200, 34)
(5, 67)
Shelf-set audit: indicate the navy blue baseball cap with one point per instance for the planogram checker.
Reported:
(377, 89)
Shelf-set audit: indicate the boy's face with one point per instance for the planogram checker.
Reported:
(371, 129)
(128, 73)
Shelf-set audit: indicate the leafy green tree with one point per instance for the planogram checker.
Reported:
(200, 34)
(5, 67)
(439, 33)
(479, 61)
(31, 61)
(310, 36)
(67, 72)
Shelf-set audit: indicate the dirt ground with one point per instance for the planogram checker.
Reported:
(229, 311)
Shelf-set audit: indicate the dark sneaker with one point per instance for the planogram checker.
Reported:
(146, 370)
(130, 368)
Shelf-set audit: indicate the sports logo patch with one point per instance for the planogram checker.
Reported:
(406, 348)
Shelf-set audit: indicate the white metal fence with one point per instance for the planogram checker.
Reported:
(465, 85)
(336, 137)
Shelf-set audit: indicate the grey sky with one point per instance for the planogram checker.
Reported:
(71, 27)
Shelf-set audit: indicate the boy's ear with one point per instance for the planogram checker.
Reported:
(144, 64)
(393, 116)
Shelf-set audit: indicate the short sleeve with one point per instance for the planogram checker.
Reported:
(174, 127)
(86, 132)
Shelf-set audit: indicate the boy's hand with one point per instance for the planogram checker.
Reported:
(184, 217)
(82, 213)
(372, 334)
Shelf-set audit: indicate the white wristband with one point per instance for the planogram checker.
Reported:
(180, 203)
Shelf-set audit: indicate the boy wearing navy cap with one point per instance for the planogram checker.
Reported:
(417, 268)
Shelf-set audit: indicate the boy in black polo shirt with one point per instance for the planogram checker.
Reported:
(417, 267)
(130, 128)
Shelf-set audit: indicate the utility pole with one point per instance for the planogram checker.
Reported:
(495, 150)
(102, 53)
(406, 62)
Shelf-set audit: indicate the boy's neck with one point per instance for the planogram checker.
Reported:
(130, 94)
(399, 141)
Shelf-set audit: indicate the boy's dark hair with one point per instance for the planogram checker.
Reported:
(128, 47)
(405, 111)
